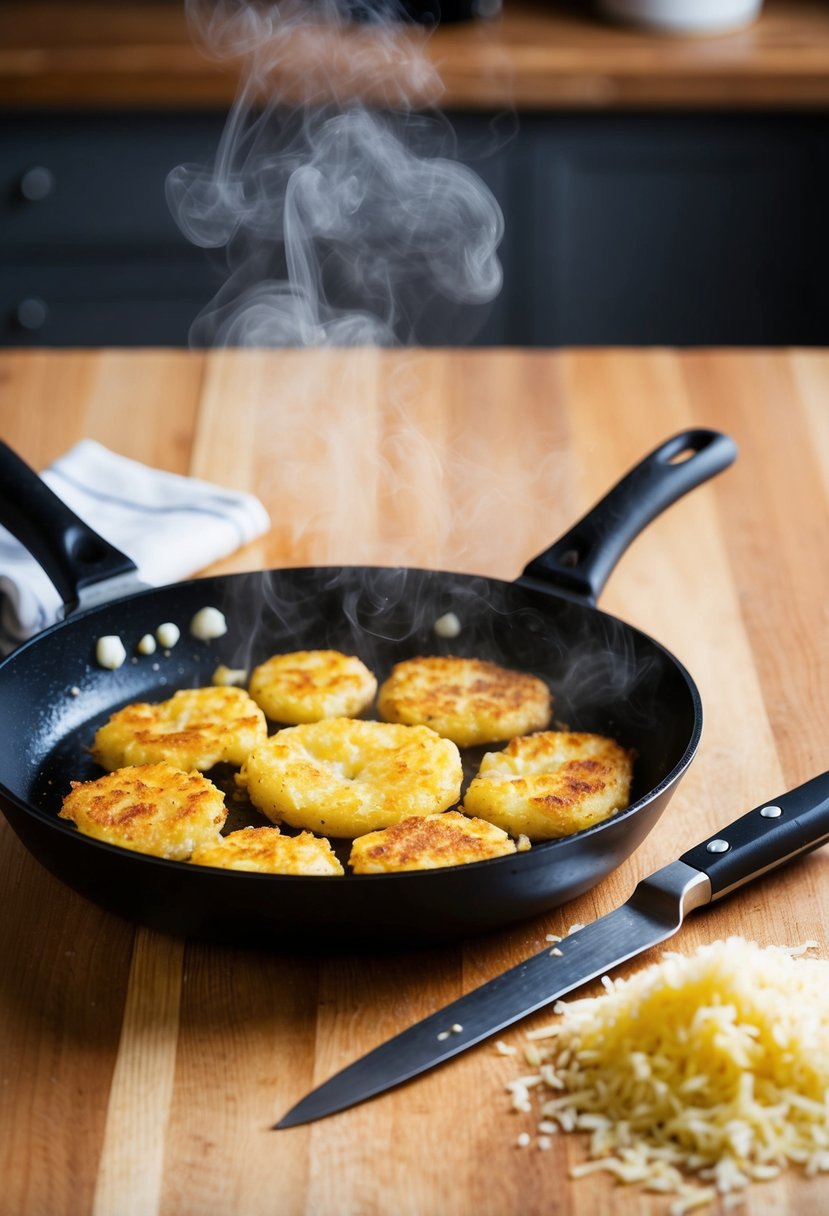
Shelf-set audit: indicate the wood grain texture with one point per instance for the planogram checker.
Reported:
(132, 1156)
(539, 54)
(127, 1056)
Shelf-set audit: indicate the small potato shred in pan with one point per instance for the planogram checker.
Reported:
(605, 676)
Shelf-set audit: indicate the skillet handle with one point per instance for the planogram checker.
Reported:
(74, 557)
(580, 562)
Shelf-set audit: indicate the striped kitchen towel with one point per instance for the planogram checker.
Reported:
(171, 527)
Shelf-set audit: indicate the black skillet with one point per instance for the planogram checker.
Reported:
(605, 675)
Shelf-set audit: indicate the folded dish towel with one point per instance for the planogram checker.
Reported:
(170, 526)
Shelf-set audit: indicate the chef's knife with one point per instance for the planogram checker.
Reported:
(763, 839)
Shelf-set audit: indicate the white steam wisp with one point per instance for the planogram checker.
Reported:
(342, 225)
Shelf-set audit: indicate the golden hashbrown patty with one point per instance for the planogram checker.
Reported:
(195, 728)
(466, 700)
(309, 685)
(427, 842)
(151, 808)
(267, 851)
(344, 777)
(551, 784)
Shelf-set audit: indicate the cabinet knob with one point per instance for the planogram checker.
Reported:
(31, 314)
(36, 184)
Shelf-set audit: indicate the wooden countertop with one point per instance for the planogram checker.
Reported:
(140, 1073)
(539, 54)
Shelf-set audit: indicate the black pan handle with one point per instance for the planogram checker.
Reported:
(579, 564)
(765, 838)
(74, 557)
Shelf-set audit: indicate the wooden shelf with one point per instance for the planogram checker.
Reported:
(539, 54)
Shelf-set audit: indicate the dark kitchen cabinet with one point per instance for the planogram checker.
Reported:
(679, 231)
(89, 253)
(620, 229)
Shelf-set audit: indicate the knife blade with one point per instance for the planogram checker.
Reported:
(761, 840)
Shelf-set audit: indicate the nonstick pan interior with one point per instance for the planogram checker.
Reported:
(605, 677)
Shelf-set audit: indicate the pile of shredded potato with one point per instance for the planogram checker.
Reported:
(713, 1066)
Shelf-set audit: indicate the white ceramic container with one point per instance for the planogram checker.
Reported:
(683, 16)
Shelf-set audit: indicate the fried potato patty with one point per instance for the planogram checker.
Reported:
(195, 728)
(151, 808)
(551, 784)
(267, 851)
(345, 777)
(466, 700)
(309, 685)
(427, 842)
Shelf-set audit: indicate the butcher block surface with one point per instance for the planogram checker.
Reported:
(141, 1074)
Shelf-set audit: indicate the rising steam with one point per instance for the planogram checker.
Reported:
(343, 217)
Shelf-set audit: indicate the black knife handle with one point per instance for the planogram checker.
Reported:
(765, 838)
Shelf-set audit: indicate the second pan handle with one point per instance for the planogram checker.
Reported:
(84, 568)
(580, 562)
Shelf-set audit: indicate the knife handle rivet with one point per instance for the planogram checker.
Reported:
(718, 846)
(771, 812)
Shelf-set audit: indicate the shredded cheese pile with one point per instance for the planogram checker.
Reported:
(714, 1066)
